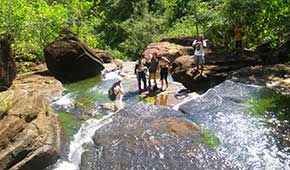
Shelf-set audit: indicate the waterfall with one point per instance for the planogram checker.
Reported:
(83, 136)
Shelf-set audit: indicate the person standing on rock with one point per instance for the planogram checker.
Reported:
(140, 70)
(199, 44)
(238, 36)
(119, 91)
(153, 70)
(163, 65)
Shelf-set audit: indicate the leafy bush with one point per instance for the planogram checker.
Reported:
(126, 27)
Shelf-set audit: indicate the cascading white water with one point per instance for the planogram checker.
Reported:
(83, 136)
(87, 129)
(247, 140)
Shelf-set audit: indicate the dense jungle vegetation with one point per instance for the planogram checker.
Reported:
(125, 27)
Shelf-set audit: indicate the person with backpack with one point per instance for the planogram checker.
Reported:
(199, 44)
(152, 71)
(163, 66)
(140, 71)
(116, 93)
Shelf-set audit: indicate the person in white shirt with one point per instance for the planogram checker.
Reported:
(119, 93)
(199, 44)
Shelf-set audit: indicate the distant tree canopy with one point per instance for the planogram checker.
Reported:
(125, 27)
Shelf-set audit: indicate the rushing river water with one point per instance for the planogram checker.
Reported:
(251, 123)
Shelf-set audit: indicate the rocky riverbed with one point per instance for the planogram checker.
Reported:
(31, 135)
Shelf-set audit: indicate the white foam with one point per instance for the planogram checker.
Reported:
(83, 136)
(64, 165)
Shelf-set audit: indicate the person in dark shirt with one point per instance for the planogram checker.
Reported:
(140, 69)
(153, 69)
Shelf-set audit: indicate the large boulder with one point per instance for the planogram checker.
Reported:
(217, 68)
(31, 135)
(169, 50)
(145, 136)
(70, 60)
(7, 64)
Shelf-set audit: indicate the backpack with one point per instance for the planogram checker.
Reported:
(197, 46)
(112, 93)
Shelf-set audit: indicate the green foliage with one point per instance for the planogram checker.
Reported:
(24, 67)
(210, 139)
(126, 27)
(261, 106)
(269, 102)
(6, 101)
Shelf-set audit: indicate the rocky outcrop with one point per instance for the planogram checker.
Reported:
(274, 55)
(144, 136)
(184, 41)
(104, 55)
(169, 50)
(217, 64)
(216, 69)
(31, 135)
(274, 76)
(69, 59)
(7, 64)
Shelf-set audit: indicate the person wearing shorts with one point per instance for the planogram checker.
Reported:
(199, 44)
(153, 69)
(163, 65)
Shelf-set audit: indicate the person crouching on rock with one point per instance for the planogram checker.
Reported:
(118, 88)
(163, 65)
(199, 44)
(152, 71)
(140, 72)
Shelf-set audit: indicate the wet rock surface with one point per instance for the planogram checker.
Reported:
(7, 64)
(31, 135)
(69, 59)
(250, 136)
(175, 93)
(144, 136)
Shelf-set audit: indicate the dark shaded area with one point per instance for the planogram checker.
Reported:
(7, 65)
(44, 73)
(184, 41)
(270, 55)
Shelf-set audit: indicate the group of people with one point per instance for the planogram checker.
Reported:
(157, 63)
(154, 65)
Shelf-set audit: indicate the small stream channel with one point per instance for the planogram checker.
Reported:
(251, 122)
